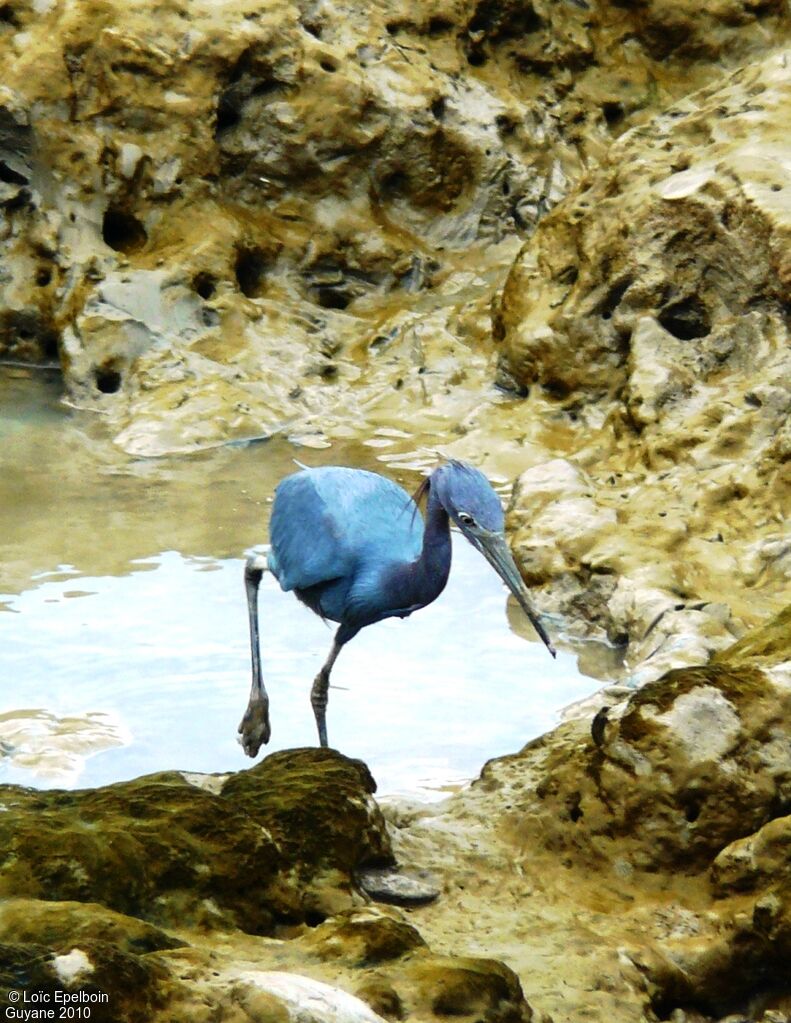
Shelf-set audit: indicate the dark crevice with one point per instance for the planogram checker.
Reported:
(122, 231)
(394, 183)
(438, 26)
(613, 298)
(686, 320)
(205, 284)
(250, 269)
(107, 379)
(613, 113)
(333, 298)
(10, 176)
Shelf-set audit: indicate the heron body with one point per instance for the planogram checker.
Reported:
(353, 547)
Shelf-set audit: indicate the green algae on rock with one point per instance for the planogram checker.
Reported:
(174, 853)
(56, 924)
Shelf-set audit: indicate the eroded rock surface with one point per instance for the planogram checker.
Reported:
(229, 221)
(653, 304)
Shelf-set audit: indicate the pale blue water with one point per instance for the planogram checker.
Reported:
(165, 650)
(159, 644)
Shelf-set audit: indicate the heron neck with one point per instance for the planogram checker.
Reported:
(433, 566)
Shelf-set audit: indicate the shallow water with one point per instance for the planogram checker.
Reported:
(123, 632)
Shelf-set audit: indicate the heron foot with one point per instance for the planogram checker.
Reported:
(254, 728)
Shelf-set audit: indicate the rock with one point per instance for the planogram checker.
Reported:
(94, 976)
(273, 179)
(61, 924)
(756, 861)
(468, 990)
(397, 887)
(364, 937)
(278, 841)
(298, 1000)
(674, 762)
(646, 314)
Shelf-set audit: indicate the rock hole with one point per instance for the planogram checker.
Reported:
(229, 112)
(691, 805)
(438, 25)
(613, 298)
(9, 15)
(476, 57)
(332, 298)
(313, 28)
(438, 107)
(505, 125)
(107, 378)
(50, 347)
(686, 320)
(313, 918)
(574, 808)
(10, 176)
(329, 66)
(43, 276)
(502, 22)
(205, 284)
(557, 389)
(395, 182)
(613, 113)
(250, 268)
(122, 231)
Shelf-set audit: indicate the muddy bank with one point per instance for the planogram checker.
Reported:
(636, 874)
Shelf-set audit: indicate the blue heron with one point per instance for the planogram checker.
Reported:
(354, 548)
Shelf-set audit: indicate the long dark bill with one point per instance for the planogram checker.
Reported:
(495, 549)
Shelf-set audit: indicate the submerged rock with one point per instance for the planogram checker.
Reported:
(293, 999)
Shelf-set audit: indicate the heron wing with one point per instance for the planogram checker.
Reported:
(331, 523)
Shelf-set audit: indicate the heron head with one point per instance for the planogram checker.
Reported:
(468, 498)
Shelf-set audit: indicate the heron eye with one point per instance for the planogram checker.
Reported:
(465, 519)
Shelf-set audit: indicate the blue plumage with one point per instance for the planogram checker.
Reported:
(353, 546)
(337, 532)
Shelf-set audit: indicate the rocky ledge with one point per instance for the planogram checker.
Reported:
(633, 871)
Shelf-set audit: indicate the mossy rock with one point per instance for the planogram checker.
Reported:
(694, 761)
(278, 842)
(66, 924)
(364, 937)
(317, 805)
(116, 985)
(467, 988)
(768, 645)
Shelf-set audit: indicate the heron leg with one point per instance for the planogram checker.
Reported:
(254, 728)
(319, 692)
